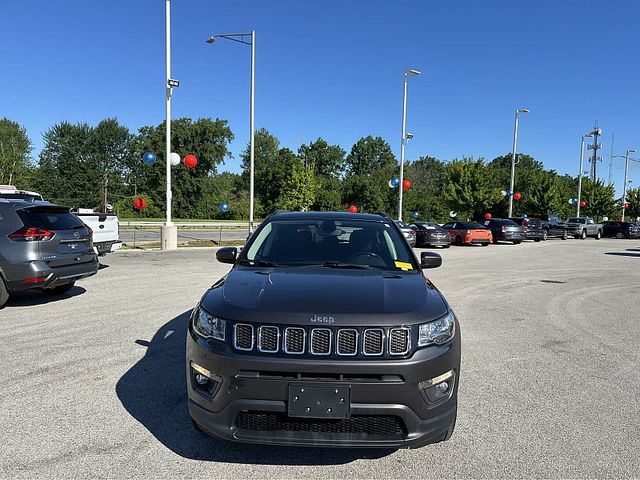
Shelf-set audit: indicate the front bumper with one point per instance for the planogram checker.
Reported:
(258, 385)
(53, 277)
(512, 237)
(434, 242)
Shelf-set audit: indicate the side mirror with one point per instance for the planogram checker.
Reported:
(430, 260)
(227, 255)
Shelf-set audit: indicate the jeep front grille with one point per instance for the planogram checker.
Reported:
(322, 341)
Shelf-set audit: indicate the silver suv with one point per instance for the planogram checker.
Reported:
(42, 246)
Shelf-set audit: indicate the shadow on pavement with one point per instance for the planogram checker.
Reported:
(623, 254)
(154, 392)
(39, 297)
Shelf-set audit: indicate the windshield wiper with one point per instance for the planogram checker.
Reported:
(342, 265)
(259, 263)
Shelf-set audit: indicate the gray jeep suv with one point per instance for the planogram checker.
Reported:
(42, 246)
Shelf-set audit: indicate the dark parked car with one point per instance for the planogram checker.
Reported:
(532, 228)
(505, 230)
(429, 234)
(408, 232)
(553, 226)
(324, 333)
(42, 246)
(621, 230)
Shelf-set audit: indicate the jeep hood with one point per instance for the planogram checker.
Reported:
(352, 297)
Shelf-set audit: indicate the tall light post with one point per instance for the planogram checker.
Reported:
(584, 135)
(624, 185)
(168, 232)
(407, 73)
(240, 38)
(513, 158)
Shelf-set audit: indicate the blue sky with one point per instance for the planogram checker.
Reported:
(333, 68)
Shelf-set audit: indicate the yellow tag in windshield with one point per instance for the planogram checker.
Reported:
(404, 265)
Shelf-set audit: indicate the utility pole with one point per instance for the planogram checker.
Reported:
(595, 146)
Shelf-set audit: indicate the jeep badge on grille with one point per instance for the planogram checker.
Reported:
(322, 319)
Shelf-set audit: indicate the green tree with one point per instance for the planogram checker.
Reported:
(15, 151)
(298, 189)
(428, 177)
(327, 160)
(470, 189)
(328, 194)
(633, 199)
(369, 155)
(600, 199)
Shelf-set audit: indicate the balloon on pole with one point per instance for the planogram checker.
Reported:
(149, 158)
(453, 214)
(353, 209)
(406, 184)
(517, 196)
(583, 203)
(174, 158)
(415, 214)
(190, 161)
(487, 216)
(224, 207)
(140, 203)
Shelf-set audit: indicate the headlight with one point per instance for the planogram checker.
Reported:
(438, 331)
(208, 325)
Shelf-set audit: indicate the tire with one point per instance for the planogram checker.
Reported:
(545, 235)
(61, 289)
(537, 239)
(619, 235)
(598, 235)
(458, 241)
(583, 234)
(564, 235)
(517, 242)
(4, 294)
(446, 246)
(485, 244)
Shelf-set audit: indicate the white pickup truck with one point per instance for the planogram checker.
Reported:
(106, 235)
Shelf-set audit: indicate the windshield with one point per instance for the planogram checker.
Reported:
(331, 243)
(575, 220)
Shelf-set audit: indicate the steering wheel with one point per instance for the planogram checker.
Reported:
(365, 258)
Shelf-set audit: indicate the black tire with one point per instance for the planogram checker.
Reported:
(59, 290)
(458, 241)
(537, 239)
(446, 246)
(545, 235)
(4, 294)
(517, 242)
(583, 235)
(598, 235)
(619, 235)
(485, 244)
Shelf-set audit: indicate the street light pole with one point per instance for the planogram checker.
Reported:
(624, 185)
(584, 135)
(513, 158)
(168, 233)
(239, 37)
(404, 137)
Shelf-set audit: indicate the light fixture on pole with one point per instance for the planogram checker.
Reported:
(168, 232)
(624, 185)
(240, 38)
(513, 158)
(580, 173)
(407, 73)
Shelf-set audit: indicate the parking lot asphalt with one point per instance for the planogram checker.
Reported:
(93, 382)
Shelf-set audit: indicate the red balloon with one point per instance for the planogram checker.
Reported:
(517, 195)
(406, 184)
(353, 209)
(626, 205)
(583, 203)
(487, 216)
(140, 203)
(190, 161)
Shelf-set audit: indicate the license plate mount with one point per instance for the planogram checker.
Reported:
(319, 401)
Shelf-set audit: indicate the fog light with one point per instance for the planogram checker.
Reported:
(201, 379)
(201, 370)
(438, 388)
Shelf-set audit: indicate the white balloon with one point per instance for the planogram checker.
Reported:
(605, 219)
(175, 159)
(453, 214)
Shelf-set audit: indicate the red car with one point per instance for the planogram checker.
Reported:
(463, 233)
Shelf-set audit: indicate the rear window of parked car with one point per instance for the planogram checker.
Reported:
(50, 219)
(505, 222)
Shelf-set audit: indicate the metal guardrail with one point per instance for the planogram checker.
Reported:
(186, 224)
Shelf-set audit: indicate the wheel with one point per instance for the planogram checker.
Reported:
(61, 289)
(458, 241)
(517, 242)
(619, 235)
(485, 244)
(494, 240)
(583, 235)
(598, 235)
(564, 235)
(4, 294)
(446, 246)
(538, 239)
(545, 235)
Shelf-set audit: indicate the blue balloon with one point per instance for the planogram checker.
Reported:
(395, 181)
(415, 214)
(509, 193)
(224, 207)
(149, 158)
